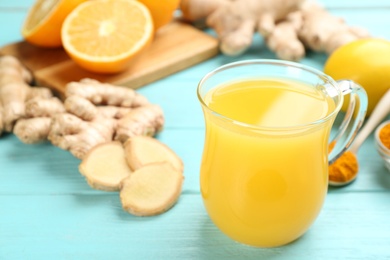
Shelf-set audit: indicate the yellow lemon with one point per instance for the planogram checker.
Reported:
(367, 62)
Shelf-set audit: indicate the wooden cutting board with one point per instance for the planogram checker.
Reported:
(176, 46)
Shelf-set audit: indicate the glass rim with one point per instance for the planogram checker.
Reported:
(284, 63)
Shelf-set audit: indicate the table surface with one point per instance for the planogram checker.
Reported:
(47, 210)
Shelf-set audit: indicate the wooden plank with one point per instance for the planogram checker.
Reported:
(96, 227)
(46, 169)
(16, 4)
(175, 47)
(35, 58)
(353, 4)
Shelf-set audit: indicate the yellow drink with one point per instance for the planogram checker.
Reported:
(264, 176)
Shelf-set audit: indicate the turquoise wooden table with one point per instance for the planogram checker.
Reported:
(47, 210)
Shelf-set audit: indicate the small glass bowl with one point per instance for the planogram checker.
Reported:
(383, 151)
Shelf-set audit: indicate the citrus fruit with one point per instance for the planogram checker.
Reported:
(42, 26)
(367, 62)
(105, 36)
(162, 11)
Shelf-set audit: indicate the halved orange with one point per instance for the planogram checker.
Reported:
(42, 26)
(105, 36)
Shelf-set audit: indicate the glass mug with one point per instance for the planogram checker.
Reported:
(264, 171)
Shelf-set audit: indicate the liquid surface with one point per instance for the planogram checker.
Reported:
(269, 102)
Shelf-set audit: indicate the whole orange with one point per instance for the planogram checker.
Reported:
(162, 11)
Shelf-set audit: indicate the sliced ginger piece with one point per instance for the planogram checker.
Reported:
(151, 190)
(104, 166)
(143, 150)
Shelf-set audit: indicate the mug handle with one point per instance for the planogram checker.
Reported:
(353, 119)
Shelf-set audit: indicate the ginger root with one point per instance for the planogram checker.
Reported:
(14, 91)
(236, 21)
(323, 32)
(151, 190)
(99, 112)
(72, 133)
(143, 150)
(92, 115)
(288, 26)
(145, 120)
(148, 174)
(105, 94)
(35, 127)
(105, 166)
(284, 40)
(24, 110)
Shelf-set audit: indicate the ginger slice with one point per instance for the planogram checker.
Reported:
(104, 166)
(143, 150)
(151, 190)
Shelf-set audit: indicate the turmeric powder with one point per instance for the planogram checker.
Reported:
(345, 168)
(384, 135)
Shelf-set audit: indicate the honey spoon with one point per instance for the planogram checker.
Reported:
(345, 169)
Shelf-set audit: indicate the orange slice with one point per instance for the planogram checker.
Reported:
(42, 26)
(105, 36)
